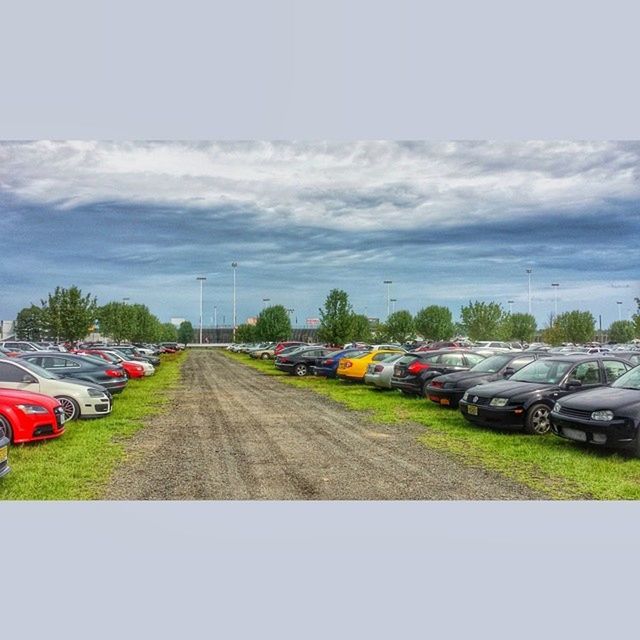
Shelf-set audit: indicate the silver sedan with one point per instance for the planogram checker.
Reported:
(379, 373)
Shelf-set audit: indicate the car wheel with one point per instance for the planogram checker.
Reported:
(70, 407)
(264, 356)
(537, 421)
(5, 428)
(300, 370)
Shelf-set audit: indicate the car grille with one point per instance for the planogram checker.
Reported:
(478, 399)
(102, 408)
(575, 413)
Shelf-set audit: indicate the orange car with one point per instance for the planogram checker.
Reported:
(355, 368)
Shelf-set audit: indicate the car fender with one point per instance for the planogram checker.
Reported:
(538, 398)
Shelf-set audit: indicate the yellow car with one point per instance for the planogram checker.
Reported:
(355, 368)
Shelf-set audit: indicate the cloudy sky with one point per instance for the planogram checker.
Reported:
(447, 222)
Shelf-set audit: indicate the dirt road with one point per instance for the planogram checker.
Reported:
(234, 433)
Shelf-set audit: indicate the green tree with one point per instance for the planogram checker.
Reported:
(434, 323)
(30, 323)
(622, 331)
(399, 327)
(185, 332)
(576, 326)
(519, 326)
(246, 333)
(68, 314)
(273, 324)
(336, 319)
(116, 321)
(482, 320)
(145, 326)
(360, 328)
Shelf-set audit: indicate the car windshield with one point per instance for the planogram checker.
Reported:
(392, 357)
(43, 373)
(492, 364)
(94, 359)
(629, 380)
(544, 371)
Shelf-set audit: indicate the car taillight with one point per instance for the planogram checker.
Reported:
(417, 367)
(283, 360)
(329, 361)
(114, 373)
(439, 385)
(378, 368)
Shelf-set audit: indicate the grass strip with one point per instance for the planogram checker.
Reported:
(556, 467)
(78, 464)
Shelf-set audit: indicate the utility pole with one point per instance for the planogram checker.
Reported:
(388, 283)
(201, 279)
(529, 289)
(234, 266)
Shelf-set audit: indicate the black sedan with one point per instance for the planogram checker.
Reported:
(4, 456)
(88, 368)
(448, 390)
(607, 416)
(299, 362)
(413, 372)
(525, 400)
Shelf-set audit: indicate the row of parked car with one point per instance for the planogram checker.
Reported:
(42, 389)
(585, 393)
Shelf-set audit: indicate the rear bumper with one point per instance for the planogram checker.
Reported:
(408, 386)
(444, 397)
(327, 372)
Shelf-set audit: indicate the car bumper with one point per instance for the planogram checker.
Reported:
(617, 433)
(326, 372)
(117, 386)
(345, 375)
(286, 367)
(444, 397)
(408, 386)
(96, 407)
(511, 418)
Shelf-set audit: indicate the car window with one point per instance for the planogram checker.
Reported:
(11, 373)
(34, 360)
(518, 363)
(474, 359)
(614, 370)
(452, 359)
(380, 356)
(51, 362)
(587, 373)
(545, 371)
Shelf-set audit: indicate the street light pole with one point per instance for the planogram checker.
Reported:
(393, 303)
(388, 283)
(125, 300)
(555, 286)
(619, 303)
(201, 279)
(529, 289)
(510, 303)
(264, 301)
(234, 266)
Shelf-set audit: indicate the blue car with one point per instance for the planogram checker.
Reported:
(328, 365)
(4, 456)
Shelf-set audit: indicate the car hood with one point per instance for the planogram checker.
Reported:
(13, 395)
(466, 379)
(602, 398)
(509, 388)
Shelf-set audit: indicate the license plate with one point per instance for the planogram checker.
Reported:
(472, 410)
(3, 454)
(446, 401)
(574, 434)
(434, 398)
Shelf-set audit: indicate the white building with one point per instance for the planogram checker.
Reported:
(176, 322)
(6, 329)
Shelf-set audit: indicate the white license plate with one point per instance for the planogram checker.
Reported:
(472, 410)
(574, 434)
(3, 454)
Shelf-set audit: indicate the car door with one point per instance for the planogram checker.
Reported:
(587, 372)
(15, 377)
(449, 363)
(613, 369)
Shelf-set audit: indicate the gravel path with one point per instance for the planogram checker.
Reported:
(234, 433)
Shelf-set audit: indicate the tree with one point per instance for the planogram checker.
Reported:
(519, 326)
(434, 323)
(145, 326)
(622, 331)
(185, 332)
(482, 320)
(399, 327)
(116, 321)
(360, 328)
(576, 326)
(68, 314)
(166, 332)
(246, 333)
(336, 319)
(273, 324)
(30, 323)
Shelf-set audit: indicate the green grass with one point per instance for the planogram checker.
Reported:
(556, 467)
(78, 464)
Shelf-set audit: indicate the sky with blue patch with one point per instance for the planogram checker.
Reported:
(446, 222)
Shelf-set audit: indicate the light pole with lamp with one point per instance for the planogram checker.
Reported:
(201, 279)
(619, 303)
(264, 302)
(510, 303)
(393, 304)
(555, 286)
(388, 283)
(234, 266)
(529, 287)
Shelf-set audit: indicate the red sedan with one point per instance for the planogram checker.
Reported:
(133, 369)
(27, 416)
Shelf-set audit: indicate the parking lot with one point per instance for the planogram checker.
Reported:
(233, 433)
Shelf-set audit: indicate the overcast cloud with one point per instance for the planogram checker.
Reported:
(446, 222)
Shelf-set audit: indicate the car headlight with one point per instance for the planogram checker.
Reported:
(498, 402)
(466, 395)
(95, 393)
(32, 408)
(556, 407)
(602, 416)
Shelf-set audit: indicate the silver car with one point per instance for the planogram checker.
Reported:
(379, 373)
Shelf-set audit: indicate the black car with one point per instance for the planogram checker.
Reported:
(448, 390)
(80, 367)
(525, 400)
(607, 416)
(4, 456)
(299, 362)
(413, 372)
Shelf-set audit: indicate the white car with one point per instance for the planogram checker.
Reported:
(149, 369)
(79, 399)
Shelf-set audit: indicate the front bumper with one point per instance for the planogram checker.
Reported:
(616, 433)
(95, 407)
(509, 417)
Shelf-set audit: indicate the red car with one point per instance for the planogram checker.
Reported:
(133, 369)
(27, 416)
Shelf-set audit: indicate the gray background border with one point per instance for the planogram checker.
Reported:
(337, 70)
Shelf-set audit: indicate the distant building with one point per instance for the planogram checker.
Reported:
(252, 321)
(177, 321)
(7, 329)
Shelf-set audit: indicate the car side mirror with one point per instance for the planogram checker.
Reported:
(508, 372)
(573, 383)
(28, 379)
